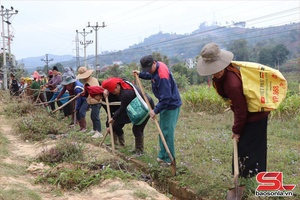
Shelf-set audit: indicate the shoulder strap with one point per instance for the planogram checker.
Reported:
(135, 90)
(235, 70)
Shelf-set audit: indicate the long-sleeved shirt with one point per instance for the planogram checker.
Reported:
(126, 96)
(164, 88)
(230, 86)
(76, 89)
(55, 80)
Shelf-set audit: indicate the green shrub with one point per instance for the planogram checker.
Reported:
(203, 98)
(289, 108)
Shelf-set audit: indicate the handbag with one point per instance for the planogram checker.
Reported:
(137, 110)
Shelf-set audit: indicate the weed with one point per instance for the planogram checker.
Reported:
(140, 194)
(3, 146)
(65, 151)
(18, 192)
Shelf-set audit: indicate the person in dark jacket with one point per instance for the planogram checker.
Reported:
(166, 91)
(14, 86)
(126, 93)
(249, 128)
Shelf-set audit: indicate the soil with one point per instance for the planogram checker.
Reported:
(21, 152)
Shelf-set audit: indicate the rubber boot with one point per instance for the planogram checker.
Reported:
(139, 147)
(82, 124)
(115, 139)
(121, 140)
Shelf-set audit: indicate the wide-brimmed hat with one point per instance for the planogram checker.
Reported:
(83, 73)
(212, 59)
(68, 77)
(146, 63)
(67, 80)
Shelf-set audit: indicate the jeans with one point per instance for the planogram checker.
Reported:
(95, 117)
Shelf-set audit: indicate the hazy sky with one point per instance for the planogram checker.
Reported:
(49, 27)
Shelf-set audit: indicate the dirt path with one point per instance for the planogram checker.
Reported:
(19, 155)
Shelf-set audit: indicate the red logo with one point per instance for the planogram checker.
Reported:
(270, 181)
(262, 100)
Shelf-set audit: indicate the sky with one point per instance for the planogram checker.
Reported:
(49, 27)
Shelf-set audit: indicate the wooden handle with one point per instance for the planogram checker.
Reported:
(110, 126)
(66, 103)
(235, 158)
(155, 120)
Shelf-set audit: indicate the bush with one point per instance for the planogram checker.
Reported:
(203, 98)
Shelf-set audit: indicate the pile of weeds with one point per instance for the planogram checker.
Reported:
(78, 177)
(36, 127)
(64, 151)
(16, 108)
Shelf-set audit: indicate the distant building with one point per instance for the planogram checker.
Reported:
(190, 62)
(117, 63)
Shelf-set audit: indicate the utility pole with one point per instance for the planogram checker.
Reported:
(3, 51)
(47, 61)
(7, 14)
(77, 50)
(96, 28)
(9, 39)
(85, 43)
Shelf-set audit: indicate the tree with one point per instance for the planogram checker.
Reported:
(265, 56)
(160, 57)
(273, 55)
(239, 49)
(279, 54)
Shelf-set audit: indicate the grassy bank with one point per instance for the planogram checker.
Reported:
(202, 141)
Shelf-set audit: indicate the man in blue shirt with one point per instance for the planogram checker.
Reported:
(165, 90)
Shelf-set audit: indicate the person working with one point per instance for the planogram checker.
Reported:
(165, 90)
(249, 128)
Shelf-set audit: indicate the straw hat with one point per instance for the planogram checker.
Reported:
(212, 59)
(84, 73)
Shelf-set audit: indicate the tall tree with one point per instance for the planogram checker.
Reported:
(280, 54)
(239, 49)
(265, 56)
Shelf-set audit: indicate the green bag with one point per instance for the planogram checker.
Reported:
(137, 110)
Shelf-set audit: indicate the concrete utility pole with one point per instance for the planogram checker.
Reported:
(77, 50)
(85, 43)
(9, 38)
(3, 51)
(96, 28)
(7, 14)
(47, 61)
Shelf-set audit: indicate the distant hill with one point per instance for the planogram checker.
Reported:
(184, 46)
(30, 64)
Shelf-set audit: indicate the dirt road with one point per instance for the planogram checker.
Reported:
(22, 172)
